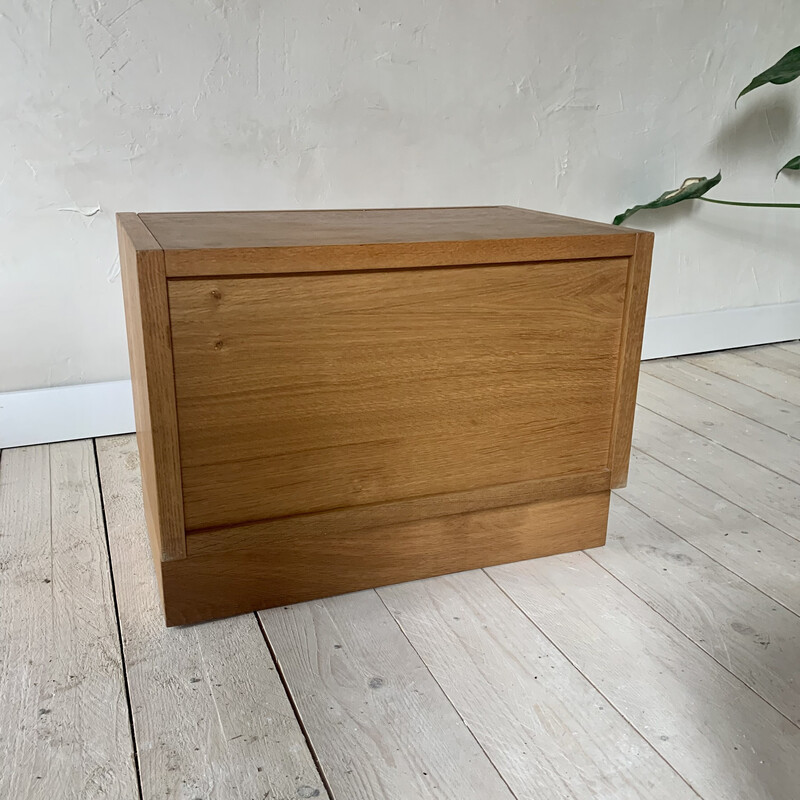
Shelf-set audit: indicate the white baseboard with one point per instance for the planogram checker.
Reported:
(65, 412)
(720, 330)
(104, 409)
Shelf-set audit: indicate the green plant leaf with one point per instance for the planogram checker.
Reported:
(792, 163)
(784, 70)
(688, 190)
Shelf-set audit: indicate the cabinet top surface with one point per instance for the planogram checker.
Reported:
(257, 229)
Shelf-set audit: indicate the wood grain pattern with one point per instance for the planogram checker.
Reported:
(64, 730)
(725, 741)
(546, 728)
(219, 243)
(768, 495)
(276, 569)
(761, 444)
(382, 387)
(150, 350)
(744, 630)
(731, 394)
(731, 535)
(379, 724)
(344, 521)
(210, 714)
(630, 356)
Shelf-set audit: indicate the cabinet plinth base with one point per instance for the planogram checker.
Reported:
(279, 571)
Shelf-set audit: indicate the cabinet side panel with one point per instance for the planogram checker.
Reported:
(150, 350)
(629, 359)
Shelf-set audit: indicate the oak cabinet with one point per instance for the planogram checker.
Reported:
(333, 400)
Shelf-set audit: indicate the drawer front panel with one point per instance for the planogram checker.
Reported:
(301, 393)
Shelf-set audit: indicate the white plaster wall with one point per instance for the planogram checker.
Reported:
(576, 107)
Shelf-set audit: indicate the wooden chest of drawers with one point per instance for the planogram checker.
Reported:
(333, 400)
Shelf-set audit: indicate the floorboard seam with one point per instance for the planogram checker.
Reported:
(737, 380)
(125, 681)
(714, 491)
(444, 692)
(724, 446)
(722, 405)
(689, 639)
(591, 683)
(708, 555)
(751, 356)
(287, 691)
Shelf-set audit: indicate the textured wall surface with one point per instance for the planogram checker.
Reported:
(575, 107)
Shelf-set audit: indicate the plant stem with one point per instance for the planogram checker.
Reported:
(756, 205)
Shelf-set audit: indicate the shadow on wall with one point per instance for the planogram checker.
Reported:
(767, 123)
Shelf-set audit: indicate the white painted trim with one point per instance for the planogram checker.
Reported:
(720, 330)
(65, 412)
(104, 409)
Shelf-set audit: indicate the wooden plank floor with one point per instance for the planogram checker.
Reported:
(664, 665)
